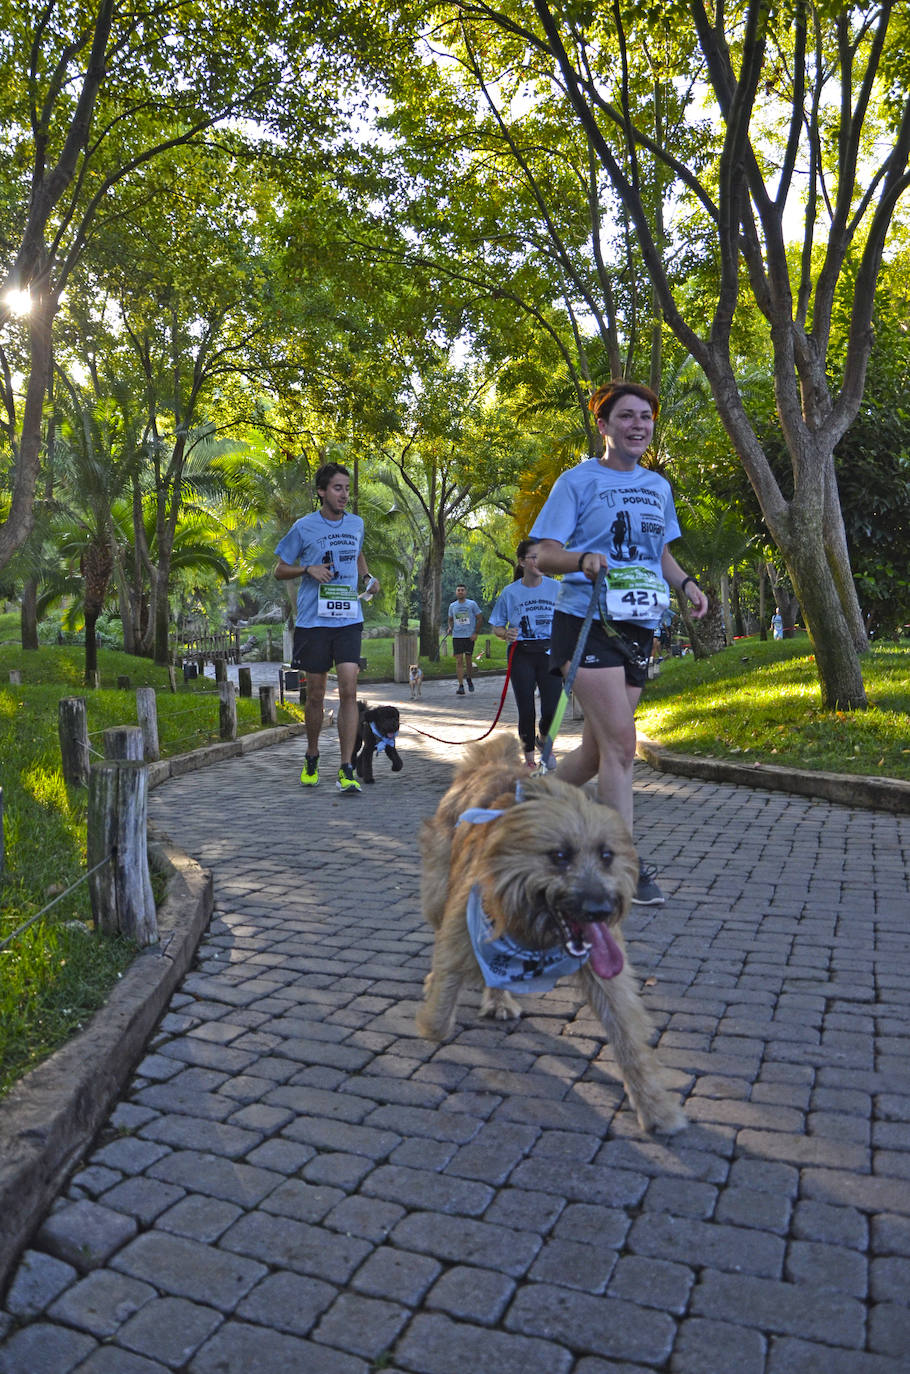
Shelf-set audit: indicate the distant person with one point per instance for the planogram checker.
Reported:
(523, 616)
(777, 624)
(465, 619)
(612, 513)
(325, 550)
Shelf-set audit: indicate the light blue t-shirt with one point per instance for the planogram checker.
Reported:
(528, 609)
(628, 516)
(314, 539)
(463, 615)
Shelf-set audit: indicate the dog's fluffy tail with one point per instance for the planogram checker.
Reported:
(502, 749)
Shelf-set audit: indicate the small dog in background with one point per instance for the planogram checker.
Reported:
(415, 678)
(376, 732)
(526, 880)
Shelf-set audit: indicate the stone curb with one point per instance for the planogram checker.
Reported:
(49, 1119)
(173, 767)
(847, 789)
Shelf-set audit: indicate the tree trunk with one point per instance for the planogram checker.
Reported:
(707, 636)
(835, 651)
(28, 614)
(431, 598)
(18, 524)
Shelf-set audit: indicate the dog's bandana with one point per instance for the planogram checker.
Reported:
(382, 741)
(503, 962)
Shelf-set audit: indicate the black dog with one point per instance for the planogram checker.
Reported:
(377, 730)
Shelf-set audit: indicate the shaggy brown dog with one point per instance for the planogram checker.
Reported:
(556, 872)
(377, 728)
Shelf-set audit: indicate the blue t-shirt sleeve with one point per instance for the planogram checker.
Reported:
(558, 515)
(500, 612)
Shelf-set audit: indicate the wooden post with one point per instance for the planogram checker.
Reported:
(245, 681)
(221, 670)
(121, 891)
(267, 712)
(123, 742)
(15, 677)
(93, 679)
(172, 677)
(72, 727)
(227, 710)
(147, 716)
(123, 680)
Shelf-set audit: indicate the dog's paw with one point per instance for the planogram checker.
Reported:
(397, 766)
(369, 780)
(663, 1116)
(499, 1005)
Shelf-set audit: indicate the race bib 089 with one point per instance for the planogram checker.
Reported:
(336, 602)
(635, 593)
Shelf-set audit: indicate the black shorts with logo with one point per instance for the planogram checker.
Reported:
(318, 648)
(601, 650)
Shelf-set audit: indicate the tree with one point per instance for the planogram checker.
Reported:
(92, 96)
(785, 87)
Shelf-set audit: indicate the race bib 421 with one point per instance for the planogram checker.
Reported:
(635, 593)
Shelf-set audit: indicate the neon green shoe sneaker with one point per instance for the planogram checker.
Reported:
(346, 779)
(310, 775)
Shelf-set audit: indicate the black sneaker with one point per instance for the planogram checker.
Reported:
(470, 683)
(648, 894)
(459, 690)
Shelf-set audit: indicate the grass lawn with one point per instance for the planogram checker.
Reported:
(760, 701)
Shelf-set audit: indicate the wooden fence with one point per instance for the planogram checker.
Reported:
(215, 646)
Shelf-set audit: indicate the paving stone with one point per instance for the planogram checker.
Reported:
(398, 1274)
(417, 1188)
(142, 1198)
(835, 1225)
(336, 1168)
(288, 1302)
(85, 1234)
(463, 1240)
(521, 1210)
(129, 1154)
(707, 1347)
(39, 1278)
(93, 1181)
(472, 1295)
(199, 1217)
(364, 1216)
(889, 1329)
(688, 1241)
(305, 1201)
(109, 1359)
(652, 1283)
(238, 1348)
(784, 1308)
(217, 1176)
(187, 1269)
(194, 1133)
(832, 1267)
(749, 1207)
(789, 1356)
(433, 1344)
(889, 1280)
(44, 1349)
(169, 1330)
(592, 1325)
(576, 1266)
(361, 1325)
(101, 1303)
(294, 1245)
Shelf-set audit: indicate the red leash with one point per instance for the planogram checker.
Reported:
(502, 702)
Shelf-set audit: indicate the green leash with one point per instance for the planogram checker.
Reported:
(546, 748)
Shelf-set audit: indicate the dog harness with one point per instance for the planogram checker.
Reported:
(502, 960)
(383, 741)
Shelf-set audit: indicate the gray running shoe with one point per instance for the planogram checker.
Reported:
(648, 894)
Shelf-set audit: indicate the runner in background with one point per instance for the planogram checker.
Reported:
(465, 619)
(522, 616)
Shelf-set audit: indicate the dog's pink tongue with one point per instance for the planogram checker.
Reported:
(606, 956)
